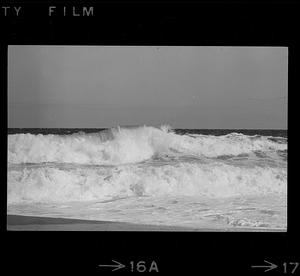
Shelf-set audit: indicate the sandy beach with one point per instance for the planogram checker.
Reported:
(33, 223)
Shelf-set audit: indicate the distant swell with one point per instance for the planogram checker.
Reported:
(131, 145)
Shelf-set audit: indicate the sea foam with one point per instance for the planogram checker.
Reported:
(81, 183)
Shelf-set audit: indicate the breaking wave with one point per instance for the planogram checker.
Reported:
(83, 183)
(132, 145)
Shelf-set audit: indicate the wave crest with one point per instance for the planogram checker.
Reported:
(131, 145)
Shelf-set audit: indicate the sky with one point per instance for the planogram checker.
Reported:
(183, 86)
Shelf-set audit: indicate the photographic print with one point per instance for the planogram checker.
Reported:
(147, 138)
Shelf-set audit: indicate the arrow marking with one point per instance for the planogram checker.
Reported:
(116, 266)
(271, 266)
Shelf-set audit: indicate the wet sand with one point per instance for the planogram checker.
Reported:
(33, 223)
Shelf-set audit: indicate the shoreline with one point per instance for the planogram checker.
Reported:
(35, 223)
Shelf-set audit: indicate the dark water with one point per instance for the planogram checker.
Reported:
(216, 132)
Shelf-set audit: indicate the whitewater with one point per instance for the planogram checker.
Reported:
(151, 175)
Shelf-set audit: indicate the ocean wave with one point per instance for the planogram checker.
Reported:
(216, 180)
(131, 145)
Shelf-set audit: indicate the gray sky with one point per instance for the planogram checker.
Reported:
(186, 87)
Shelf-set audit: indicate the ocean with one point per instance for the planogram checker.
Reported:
(197, 178)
